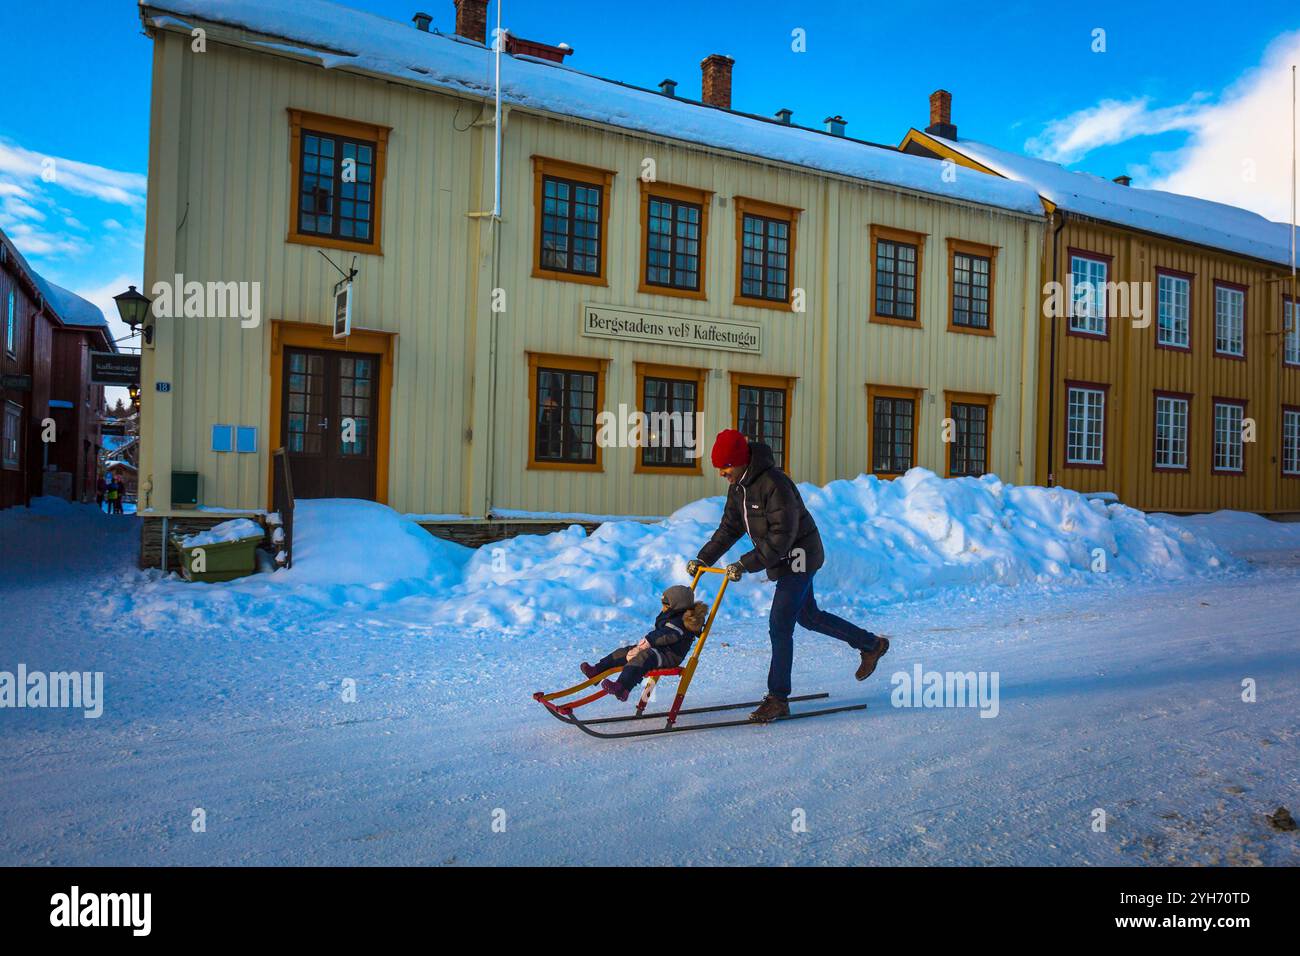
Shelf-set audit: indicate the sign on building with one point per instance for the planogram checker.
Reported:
(343, 310)
(665, 328)
(110, 368)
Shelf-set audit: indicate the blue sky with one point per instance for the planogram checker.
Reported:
(1173, 100)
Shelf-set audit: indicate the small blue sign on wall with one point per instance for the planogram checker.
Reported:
(246, 439)
(222, 437)
(163, 386)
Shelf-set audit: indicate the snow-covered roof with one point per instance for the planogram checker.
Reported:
(71, 308)
(1201, 221)
(339, 37)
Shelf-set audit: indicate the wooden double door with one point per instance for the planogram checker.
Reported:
(329, 422)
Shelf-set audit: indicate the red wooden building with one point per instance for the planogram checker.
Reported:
(46, 336)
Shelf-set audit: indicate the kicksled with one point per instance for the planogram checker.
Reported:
(561, 704)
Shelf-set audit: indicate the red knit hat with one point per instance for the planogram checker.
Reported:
(730, 448)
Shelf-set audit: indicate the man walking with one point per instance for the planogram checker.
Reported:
(764, 503)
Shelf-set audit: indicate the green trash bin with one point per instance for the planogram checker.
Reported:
(221, 553)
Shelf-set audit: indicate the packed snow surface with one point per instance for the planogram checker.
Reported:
(886, 542)
(321, 722)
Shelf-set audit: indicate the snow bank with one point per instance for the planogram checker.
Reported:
(886, 542)
(1242, 533)
(227, 531)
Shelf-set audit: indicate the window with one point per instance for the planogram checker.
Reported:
(1229, 320)
(762, 406)
(571, 210)
(765, 252)
(1173, 310)
(970, 284)
(1291, 325)
(1228, 445)
(1085, 430)
(1171, 431)
(968, 451)
(566, 395)
(1291, 441)
(670, 399)
(893, 427)
(1088, 277)
(338, 176)
(674, 228)
(11, 326)
(896, 275)
(11, 437)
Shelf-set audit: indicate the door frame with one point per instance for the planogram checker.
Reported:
(309, 335)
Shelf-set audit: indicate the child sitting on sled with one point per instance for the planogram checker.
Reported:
(679, 622)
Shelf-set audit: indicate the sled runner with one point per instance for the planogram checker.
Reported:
(562, 709)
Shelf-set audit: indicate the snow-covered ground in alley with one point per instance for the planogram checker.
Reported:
(1120, 691)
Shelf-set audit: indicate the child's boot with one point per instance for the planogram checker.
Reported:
(614, 688)
(587, 670)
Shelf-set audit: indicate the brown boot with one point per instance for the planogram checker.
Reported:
(870, 657)
(770, 709)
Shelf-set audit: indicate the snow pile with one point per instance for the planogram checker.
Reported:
(886, 542)
(1243, 533)
(236, 530)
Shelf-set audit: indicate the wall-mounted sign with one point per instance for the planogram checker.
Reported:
(665, 328)
(343, 311)
(110, 368)
(16, 383)
(162, 386)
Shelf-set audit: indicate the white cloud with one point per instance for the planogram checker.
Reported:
(1238, 149)
(20, 165)
(1069, 139)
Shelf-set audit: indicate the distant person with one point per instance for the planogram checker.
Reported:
(100, 487)
(764, 503)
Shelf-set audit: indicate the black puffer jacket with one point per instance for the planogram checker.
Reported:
(766, 505)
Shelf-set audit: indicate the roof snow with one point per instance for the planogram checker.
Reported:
(341, 37)
(1169, 214)
(71, 308)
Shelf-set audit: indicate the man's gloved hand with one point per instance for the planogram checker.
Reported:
(692, 566)
(735, 571)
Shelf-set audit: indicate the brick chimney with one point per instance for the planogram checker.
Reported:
(716, 80)
(941, 115)
(471, 19)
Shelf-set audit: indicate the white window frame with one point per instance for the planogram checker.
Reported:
(1091, 431)
(11, 440)
(11, 326)
(1174, 311)
(1176, 414)
(1291, 325)
(1093, 321)
(1291, 441)
(1229, 313)
(1229, 450)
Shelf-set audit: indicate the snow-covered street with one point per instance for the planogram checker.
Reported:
(1120, 695)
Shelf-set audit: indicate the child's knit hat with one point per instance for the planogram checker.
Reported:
(679, 598)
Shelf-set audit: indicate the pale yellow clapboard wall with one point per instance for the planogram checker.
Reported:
(222, 116)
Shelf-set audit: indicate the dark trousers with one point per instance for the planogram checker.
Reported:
(794, 602)
(637, 667)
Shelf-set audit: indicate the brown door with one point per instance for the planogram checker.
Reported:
(329, 422)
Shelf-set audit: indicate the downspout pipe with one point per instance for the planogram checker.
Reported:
(1051, 362)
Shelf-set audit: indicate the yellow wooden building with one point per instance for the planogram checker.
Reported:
(650, 253)
(1169, 352)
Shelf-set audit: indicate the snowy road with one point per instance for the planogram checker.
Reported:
(1124, 699)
